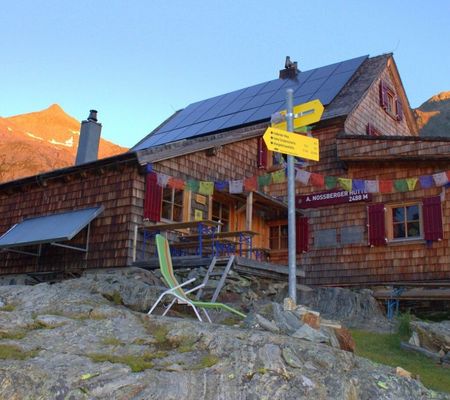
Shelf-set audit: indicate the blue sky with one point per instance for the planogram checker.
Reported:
(138, 61)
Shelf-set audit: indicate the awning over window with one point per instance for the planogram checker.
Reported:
(50, 229)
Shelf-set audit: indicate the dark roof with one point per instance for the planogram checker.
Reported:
(253, 104)
(123, 158)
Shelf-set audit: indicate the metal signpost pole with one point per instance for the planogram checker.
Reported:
(291, 203)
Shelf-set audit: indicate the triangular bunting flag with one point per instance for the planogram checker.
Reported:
(236, 186)
(345, 183)
(411, 182)
(221, 185)
(302, 176)
(317, 180)
(372, 186)
(192, 185)
(358, 185)
(400, 185)
(251, 184)
(386, 186)
(206, 188)
(162, 179)
(330, 182)
(279, 176)
(175, 183)
(264, 180)
(440, 179)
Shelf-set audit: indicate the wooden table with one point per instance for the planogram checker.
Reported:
(203, 227)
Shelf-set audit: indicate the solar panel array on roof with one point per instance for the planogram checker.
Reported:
(252, 104)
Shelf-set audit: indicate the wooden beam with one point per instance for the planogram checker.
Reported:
(249, 212)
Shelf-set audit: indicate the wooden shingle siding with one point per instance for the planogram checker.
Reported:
(370, 111)
(359, 264)
(111, 232)
(371, 148)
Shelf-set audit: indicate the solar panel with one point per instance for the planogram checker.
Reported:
(259, 100)
(273, 85)
(253, 90)
(262, 112)
(49, 228)
(254, 103)
(238, 119)
(324, 72)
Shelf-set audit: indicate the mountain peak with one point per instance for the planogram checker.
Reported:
(55, 107)
(440, 97)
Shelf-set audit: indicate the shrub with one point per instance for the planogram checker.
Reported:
(404, 327)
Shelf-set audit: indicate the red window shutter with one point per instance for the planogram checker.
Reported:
(262, 153)
(153, 198)
(398, 110)
(383, 94)
(432, 218)
(301, 233)
(376, 225)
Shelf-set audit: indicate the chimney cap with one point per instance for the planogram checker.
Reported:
(290, 70)
(92, 115)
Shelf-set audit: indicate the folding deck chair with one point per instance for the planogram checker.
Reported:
(176, 289)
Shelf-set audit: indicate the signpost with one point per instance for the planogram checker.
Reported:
(280, 138)
(292, 143)
(304, 114)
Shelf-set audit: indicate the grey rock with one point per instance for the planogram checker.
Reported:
(266, 324)
(414, 339)
(433, 336)
(310, 334)
(332, 339)
(355, 309)
(291, 359)
(446, 359)
(286, 321)
(52, 321)
(86, 357)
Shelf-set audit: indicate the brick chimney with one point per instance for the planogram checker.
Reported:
(89, 139)
(290, 70)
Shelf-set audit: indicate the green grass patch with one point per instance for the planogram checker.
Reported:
(114, 297)
(206, 361)
(137, 363)
(10, 352)
(160, 333)
(385, 349)
(13, 335)
(230, 321)
(8, 307)
(112, 341)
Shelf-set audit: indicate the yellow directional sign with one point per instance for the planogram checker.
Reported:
(304, 114)
(293, 144)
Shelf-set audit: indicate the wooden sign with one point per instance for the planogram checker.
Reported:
(331, 198)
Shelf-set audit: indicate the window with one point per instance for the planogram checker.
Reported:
(405, 222)
(278, 237)
(221, 213)
(172, 204)
(390, 102)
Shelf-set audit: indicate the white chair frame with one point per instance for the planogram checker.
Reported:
(181, 299)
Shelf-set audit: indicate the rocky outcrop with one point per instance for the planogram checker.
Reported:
(431, 339)
(76, 340)
(355, 309)
(433, 116)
